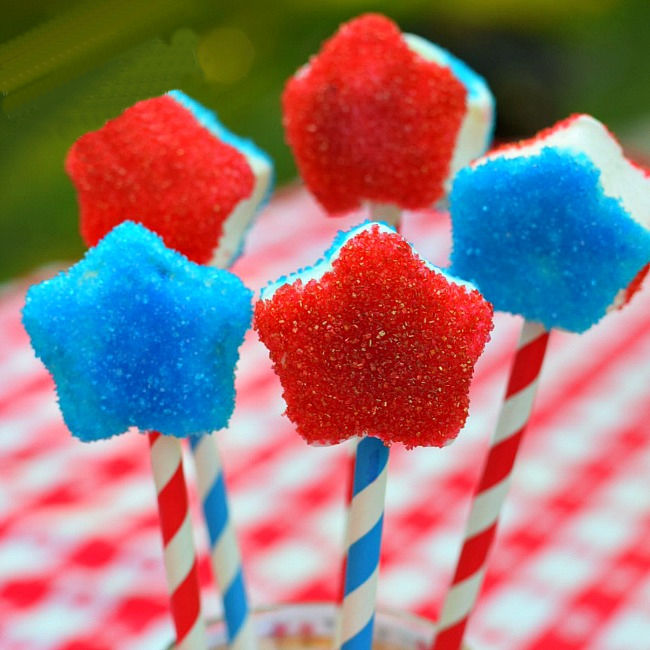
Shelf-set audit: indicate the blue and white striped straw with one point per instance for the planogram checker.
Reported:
(224, 551)
(364, 526)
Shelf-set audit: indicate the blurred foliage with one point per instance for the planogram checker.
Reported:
(67, 66)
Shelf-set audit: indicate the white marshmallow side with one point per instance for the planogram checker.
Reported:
(475, 132)
(619, 178)
(325, 265)
(234, 226)
(239, 219)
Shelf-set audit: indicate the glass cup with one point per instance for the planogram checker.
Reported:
(311, 626)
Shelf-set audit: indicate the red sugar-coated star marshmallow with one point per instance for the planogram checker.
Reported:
(368, 118)
(374, 341)
(157, 165)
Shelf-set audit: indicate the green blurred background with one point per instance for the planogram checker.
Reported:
(67, 66)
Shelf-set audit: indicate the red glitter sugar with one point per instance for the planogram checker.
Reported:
(369, 119)
(381, 345)
(156, 165)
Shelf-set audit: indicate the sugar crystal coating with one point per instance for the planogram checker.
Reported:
(240, 220)
(209, 120)
(375, 343)
(535, 230)
(136, 335)
(370, 119)
(156, 164)
(477, 128)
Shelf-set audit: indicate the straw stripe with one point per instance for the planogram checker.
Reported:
(178, 545)
(235, 601)
(464, 591)
(365, 520)
(186, 606)
(363, 638)
(474, 553)
(492, 487)
(528, 358)
(362, 600)
(172, 499)
(451, 635)
(178, 563)
(485, 503)
(217, 506)
(194, 638)
(360, 555)
(501, 458)
(349, 474)
(166, 464)
(228, 558)
(224, 550)
(514, 412)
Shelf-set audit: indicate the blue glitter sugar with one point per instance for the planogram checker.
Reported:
(137, 335)
(539, 238)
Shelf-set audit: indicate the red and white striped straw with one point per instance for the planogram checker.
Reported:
(178, 543)
(492, 487)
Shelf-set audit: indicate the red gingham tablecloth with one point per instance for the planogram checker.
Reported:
(80, 553)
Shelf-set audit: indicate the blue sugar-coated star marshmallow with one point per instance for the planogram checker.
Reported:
(554, 228)
(135, 335)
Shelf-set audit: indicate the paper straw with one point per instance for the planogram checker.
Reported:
(224, 550)
(492, 487)
(178, 544)
(351, 452)
(364, 526)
